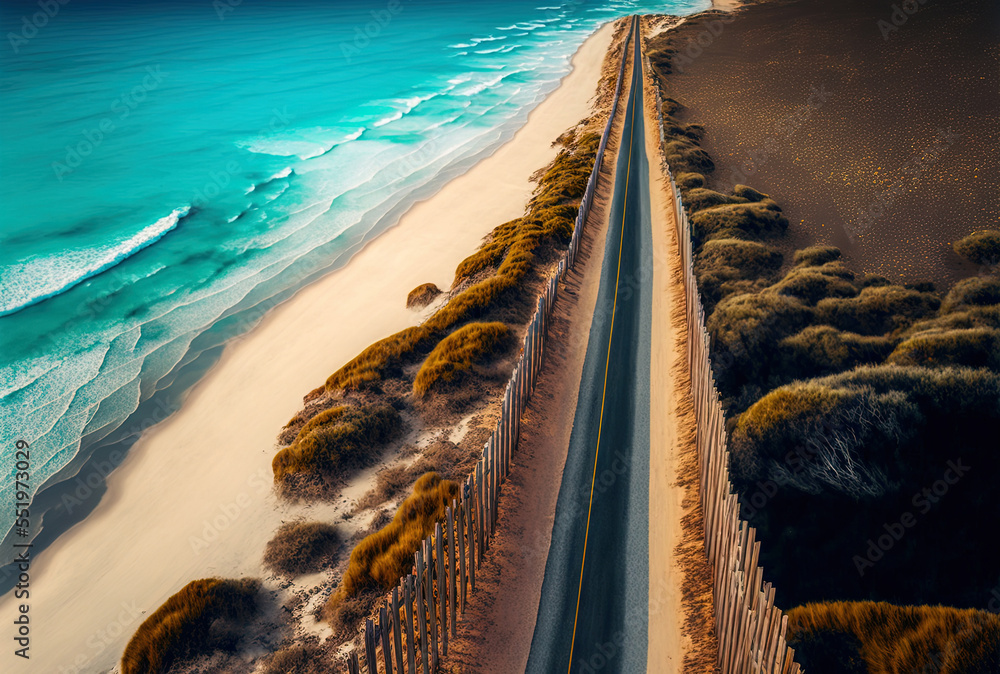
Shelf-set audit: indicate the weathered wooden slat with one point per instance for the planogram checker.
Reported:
(385, 632)
(421, 617)
(370, 661)
(397, 633)
(429, 602)
(411, 642)
(452, 579)
(442, 586)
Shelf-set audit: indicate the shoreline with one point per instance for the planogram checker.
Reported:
(95, 582)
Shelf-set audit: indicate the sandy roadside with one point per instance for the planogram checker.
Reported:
(193, 498)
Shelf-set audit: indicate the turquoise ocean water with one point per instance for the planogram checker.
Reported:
(170, 171)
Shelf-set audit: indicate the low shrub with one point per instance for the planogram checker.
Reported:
(975, 347)
(962, 318)
(982, 247)
(973, 292)
(301, 547)
(684, 155)
(746, 330)
(812, 284)
(888, 639)
(337, 439)
(422, 295)
(877, 310)
(689, 181)
(700, 198)
(185, 625)
(748, 193)
(815, 256)
(844, 438)
(728, 266)
(308, 659)
(380, 559)
(458, 352)
(821, 350)
(739, 221)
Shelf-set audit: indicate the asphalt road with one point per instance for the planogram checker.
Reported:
(592, 614)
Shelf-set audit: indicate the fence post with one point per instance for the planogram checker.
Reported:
(421, 617)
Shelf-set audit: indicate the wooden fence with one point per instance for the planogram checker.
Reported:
(750, 628)
(423, 611)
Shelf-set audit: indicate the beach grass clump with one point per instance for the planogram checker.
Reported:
(739, 221)
(186, 625)
(301, 547)
(982, 247)
(337, 439)
(729, 266)
(381, 558)
(973, 347)
(422, 295)
(684, 155)
(746, 330)
(848, 434)
(816, 256)
(298, 659)
(812, 284)
(748, 193)
(973, 292)
(880, 638)
(877, 310)
(821, 350)
(458, 352)
(700, 198)
(689, 181)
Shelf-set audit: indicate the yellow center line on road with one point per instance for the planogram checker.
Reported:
(607, 365)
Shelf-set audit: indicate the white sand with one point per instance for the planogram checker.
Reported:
(206, 470)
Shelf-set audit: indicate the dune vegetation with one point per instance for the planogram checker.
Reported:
(422, 295)
(380, 559)
(458, 352)
(982, 247)
(847, 397)
(335, 440)
(190, 623)
(301, 547)
(351, 418)
(880, 638)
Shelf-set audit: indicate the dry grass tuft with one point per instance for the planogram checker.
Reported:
(183, 626)
(458, 352)
(880, 638)
(380, 559)
(422, 295)
(337, 439)
(301, 547)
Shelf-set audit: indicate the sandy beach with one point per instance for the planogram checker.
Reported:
(193, 499)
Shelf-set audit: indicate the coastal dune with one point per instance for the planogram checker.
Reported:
(193, 499)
